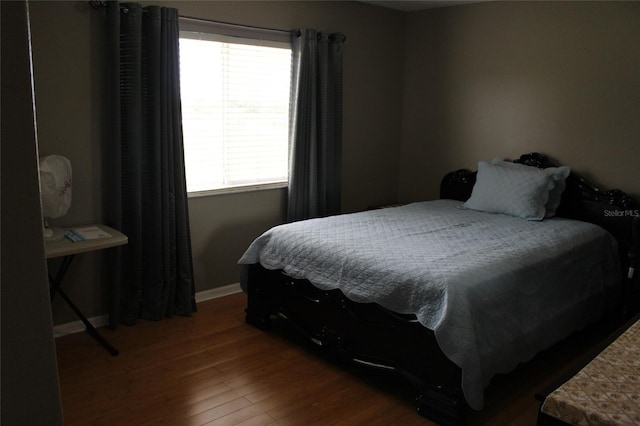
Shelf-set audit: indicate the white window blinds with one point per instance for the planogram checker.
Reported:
(235, 107)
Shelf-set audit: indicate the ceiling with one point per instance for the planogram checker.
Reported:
(412, 5)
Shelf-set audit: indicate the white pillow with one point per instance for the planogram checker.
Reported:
(512, 191)
(559, 175)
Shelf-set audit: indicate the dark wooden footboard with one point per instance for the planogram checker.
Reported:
(362, 333)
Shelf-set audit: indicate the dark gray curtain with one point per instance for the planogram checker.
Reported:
(315, 177)
(147, 190)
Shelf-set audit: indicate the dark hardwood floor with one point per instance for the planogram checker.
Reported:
(214, 369)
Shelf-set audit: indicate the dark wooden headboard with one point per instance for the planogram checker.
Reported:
(614, 210)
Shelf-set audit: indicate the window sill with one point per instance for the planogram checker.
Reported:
(237, 189)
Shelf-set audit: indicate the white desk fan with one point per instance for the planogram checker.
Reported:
(55, 192)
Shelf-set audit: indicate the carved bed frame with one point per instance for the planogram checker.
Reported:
(372, 336)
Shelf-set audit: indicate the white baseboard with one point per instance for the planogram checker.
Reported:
(78, 326)
(102, 320)
(214, 293)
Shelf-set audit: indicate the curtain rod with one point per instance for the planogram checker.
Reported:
(232, 25)
(99, 4)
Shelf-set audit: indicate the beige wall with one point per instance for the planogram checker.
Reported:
(506, 78)
(68, 39)
(68, 55)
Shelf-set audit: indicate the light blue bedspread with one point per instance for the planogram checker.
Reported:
(495, 289)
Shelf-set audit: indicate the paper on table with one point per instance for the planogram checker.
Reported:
(86, 233)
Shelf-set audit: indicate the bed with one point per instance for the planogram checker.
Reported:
(447, 293)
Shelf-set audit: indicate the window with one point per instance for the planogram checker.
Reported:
(235, 108)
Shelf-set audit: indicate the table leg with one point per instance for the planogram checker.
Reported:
(55, 288)
(90, 328)
(62, 270)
